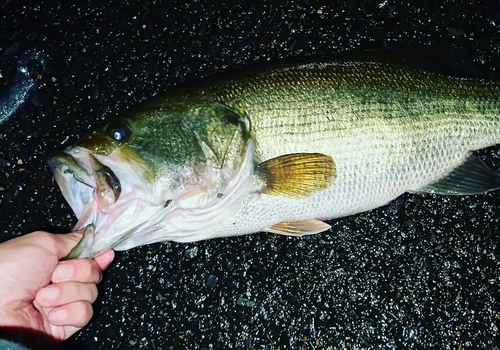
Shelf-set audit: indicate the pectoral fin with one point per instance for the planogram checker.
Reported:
(296, 175)
(299, 228)
(472, 177)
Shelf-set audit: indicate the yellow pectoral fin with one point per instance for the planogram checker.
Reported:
(298, 228)
(296, 175)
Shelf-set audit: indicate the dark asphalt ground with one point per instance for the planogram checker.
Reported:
(421, 273)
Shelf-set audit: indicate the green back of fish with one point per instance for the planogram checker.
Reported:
(304, 107)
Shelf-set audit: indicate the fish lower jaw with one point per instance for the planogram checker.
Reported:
(117, 223)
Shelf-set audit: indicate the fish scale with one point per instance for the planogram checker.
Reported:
(389, 130)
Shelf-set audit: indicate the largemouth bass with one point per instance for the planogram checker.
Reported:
(277, 149)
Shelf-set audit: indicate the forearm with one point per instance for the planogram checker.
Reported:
(25, 339)
(8, 345)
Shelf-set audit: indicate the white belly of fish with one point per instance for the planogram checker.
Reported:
(373, 168)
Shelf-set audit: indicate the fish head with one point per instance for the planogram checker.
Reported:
(170, 171)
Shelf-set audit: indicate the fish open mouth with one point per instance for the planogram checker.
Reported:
(106, 185)
(109, 194)
(87, 185)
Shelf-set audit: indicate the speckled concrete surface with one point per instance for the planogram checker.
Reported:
(422, 273)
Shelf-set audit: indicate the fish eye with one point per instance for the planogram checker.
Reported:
(119, 130)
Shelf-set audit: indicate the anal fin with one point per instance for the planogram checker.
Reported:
(298, 228)
(474, 176)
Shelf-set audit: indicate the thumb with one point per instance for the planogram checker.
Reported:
(64, 243)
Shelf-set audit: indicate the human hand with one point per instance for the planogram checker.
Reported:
(41, 293)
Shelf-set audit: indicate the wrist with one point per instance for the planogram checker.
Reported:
(7, 344)
(27, 337)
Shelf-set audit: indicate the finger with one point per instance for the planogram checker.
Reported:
(58, 294)
(78, 270)
(76, 314)
(105, 259)
(60, 244)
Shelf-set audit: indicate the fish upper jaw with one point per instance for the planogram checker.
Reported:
(74, 182)
(82, 177)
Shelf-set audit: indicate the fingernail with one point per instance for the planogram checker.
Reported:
(62, 272)
(49, 293)
(57, 316)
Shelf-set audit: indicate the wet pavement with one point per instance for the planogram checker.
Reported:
(421, 273)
